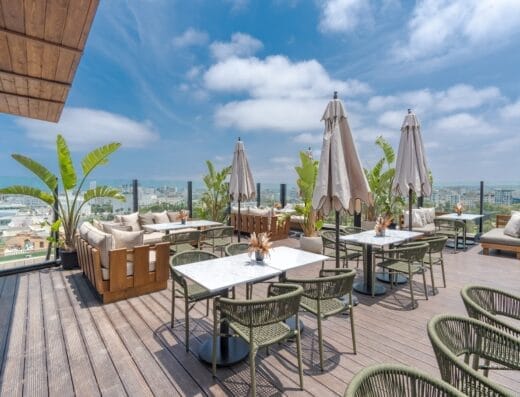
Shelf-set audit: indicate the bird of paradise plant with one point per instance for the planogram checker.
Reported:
(69, 210)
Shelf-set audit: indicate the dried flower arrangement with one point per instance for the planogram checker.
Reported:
(458, 208)
(277, 206)
(183, 215)
(260, 245)
(381, 224)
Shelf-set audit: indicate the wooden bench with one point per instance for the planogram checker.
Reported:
(262, 224)
(118, 285)
(501, 222)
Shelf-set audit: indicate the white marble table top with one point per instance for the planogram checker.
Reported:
(286, 258)
(461, 217)
(391, 237)
(225, 272)
(161, 227)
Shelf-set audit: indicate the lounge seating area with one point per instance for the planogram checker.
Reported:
(498, 239)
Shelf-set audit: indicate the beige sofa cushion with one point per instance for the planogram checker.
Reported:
(100, 240)
(513, 225)
(131, 220)
(497, 236)
(109, 226)
(146, 219)
(417, 218)
(153, 238)
(161, 217)
(429, 213)
(128, 240)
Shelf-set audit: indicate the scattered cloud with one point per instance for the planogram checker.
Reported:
(391, 119)
(241, 45)
(343, 15)
(440, 28)
(88, 128)
(308, 138)
(190, 37)
(283, 160)
(511, 111)
(238, 5)
(194, 72)
(464, 124)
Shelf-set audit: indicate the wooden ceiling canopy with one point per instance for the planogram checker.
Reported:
(41, 43)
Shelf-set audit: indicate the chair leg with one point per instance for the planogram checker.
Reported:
(252, 354)
(214, 348)
(173, 304)
(442, 269)
(352, 326)
(411, 288)
(430, 263)
(424, 282)
(299, 352)
(320, 341)
(207, 307)
(187, 324)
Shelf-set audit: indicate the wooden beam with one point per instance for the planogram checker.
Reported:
(10, 94)
(40, 41)
(36, 79)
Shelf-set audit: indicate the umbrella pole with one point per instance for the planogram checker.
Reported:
(239, 221)
(410, 209)
(337, 239)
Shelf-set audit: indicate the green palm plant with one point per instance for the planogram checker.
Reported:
(214, 200)
(69, 209)
(380, 179)
(307, 173)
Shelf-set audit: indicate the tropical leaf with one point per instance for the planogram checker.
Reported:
(97, 157)
(48, 178)
(29, 191)
(103, 192)
(388, 151)
(67, 171)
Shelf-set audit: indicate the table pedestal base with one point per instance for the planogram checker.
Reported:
(345, 299)
(398, 279)
(362, 288)
(291, 322)
(230, 350)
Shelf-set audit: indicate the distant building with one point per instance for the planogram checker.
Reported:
(503, 196)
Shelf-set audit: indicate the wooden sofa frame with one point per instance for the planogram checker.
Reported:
(119, 285)
(260, 224)
(501, 223)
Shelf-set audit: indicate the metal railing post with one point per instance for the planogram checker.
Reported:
(258, 197)
(190, 199)
(480, 221)
(135, 196)
(283, 194)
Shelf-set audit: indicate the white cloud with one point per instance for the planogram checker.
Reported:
(463, 124)
(391, 119)
(343, 15)
(241, 45)
(439, 28)
(283, 160)
(278, 77)
(308, 138)
(511, 111)
(238, 5)
(190, 37)
(194, 72)
(84, 127)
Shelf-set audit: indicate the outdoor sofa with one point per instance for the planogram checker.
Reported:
(261, 221)
(422, 220)
(497, 239)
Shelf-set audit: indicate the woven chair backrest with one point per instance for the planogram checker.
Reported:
(412, 252)
(186, 257)
(218, 232)
(182, 237)
(236, 248)
(437, 244)
(328, 287)
(448, 224)
(254, 313)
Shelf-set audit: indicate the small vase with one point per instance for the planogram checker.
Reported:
(259, 256)
(183, 221)
(380, 233)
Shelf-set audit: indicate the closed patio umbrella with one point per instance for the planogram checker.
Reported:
(411, 169)
(341, 179)
(241, 183)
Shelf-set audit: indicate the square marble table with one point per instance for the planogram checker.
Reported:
(225, 272)
(368, 240)
(166, 227)
(464, 217)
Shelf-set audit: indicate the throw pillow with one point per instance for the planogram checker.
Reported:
(127, 240)
(422, 215)
(513, 226)
(109, 226)
(146, 219)
(430, 214)
(97, 224)
(131, 220)
(173, 216)
(161, 217)
(103, 242)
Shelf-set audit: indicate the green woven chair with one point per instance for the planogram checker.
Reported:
(393, 380)
(406, 259)
(452, 229)
(260, 322)
(434, 256)
(347, 252)
(486, 304)
(453, 337)
(183, 241)
(236, 249)
(217, 237)
(321, 298)
(190, 292)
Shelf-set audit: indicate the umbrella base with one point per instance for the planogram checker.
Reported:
(230, 350)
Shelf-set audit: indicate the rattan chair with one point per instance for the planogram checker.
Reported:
(190, 292)
(236, 249)
(217, 237)
(321, 298)
(347, 252)
(183, 241)
(394, 380)
(453, 337)
(407, 259)
(452, 229)
(486, 304)
(434, 256)
(260, 322)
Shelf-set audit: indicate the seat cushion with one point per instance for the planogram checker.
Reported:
(153, 237)
(497, 236)
(161, 217)
(429, 228)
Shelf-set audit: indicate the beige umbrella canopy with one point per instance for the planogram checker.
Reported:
(241, 183)
(341, 180)
(411, 170)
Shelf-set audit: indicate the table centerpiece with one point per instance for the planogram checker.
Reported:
(260, 245)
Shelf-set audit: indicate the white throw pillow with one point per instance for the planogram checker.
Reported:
(109, 226)
(513, 226)
(417, 219)
(102, 241)
(127, 240)
(161, 217)
(430, 214)
(131, 220)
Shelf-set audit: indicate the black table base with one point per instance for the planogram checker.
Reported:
(398, 278)
(230, 350)
(365, 289)
(291, 322)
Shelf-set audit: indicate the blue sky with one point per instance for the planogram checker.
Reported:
(178, 81)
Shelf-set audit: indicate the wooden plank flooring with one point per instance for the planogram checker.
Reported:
(57, 339)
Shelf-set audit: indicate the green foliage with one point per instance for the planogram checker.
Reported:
(307, 173)
(69, 211)
(380, 179)
(164, 206)
(214, 201)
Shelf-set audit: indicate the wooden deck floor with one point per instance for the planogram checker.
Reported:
(56, 339)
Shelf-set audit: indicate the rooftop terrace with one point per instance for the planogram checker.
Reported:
(57, 339)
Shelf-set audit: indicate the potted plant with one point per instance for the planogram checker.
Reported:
(307, 173)
(68, 209)
(214, 201)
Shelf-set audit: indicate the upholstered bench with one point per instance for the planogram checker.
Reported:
(497, 239)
